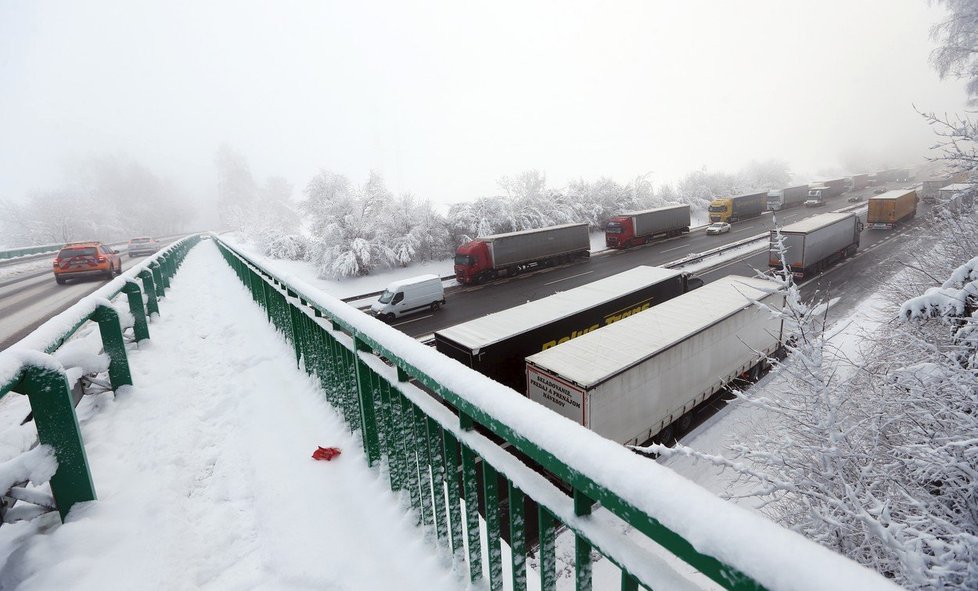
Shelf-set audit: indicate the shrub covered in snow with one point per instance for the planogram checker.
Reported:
(286, 246)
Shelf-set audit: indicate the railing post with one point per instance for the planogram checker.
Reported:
(158, 278)
(135, 296)
(152, 306)
(165, 270)
(113, 343)
(57, 426)
(371, 439)
(582, 548)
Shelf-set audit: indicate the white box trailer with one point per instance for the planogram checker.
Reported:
(532, 245)
(508, 254)
(816, 242)
(633, 379)
(660, 220)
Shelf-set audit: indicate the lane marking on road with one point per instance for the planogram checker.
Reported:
(413, 320)
(743, 230)
(571, 277)
(677, 248)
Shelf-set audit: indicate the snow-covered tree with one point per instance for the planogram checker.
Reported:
(874, 458)
(347, 225)
(956, 55)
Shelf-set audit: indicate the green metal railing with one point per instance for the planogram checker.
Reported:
(450, 455)
(28, 367)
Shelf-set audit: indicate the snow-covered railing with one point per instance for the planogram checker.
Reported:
(29, 368)
(453, 441)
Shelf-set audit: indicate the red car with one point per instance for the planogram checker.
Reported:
(86, 259)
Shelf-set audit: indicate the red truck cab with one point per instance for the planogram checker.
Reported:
(620, 233)
(472, 262)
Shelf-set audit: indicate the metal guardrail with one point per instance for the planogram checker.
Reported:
(396, 392)
(27, 250)
(27, 367)
(38, 252)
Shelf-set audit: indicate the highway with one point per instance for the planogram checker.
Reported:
(860, 275)
(29, 299)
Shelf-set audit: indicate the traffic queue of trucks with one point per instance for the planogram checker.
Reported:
(630, 356)
(497, 344)
(886, 211)
(640, 227)
(505, 255)
(643, 376)
(814, 243)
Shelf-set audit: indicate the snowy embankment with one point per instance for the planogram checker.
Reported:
(204, 474)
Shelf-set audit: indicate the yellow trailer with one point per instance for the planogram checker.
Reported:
(891, 208)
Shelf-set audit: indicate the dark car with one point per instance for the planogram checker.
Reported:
(855, 199)
(86, 259)
(143, 246)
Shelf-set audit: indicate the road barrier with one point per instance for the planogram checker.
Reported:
(452, 440)
(29, 250)
(28, 367)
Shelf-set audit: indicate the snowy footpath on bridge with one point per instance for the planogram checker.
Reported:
(204, 472)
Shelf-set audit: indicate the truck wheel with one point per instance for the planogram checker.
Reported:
(435, 306)
(667, 435)
(60, 280)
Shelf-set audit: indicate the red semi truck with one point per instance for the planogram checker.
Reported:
(639, 227)
(505, 255)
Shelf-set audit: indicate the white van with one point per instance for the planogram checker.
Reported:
(424, 292)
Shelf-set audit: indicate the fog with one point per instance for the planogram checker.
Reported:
(442, 99)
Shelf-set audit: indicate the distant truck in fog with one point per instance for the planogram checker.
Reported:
(886, 211)
(814, 243)
(505, 255)
(930, 187)
(893, 175)
(858, 181)
(786, 198)
(640, 227)
(819, 193)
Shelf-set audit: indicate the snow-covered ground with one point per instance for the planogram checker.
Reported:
(204, 474)
(33, 266)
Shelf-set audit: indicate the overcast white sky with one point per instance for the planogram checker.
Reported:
(443, 98)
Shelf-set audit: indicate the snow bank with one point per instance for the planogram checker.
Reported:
(36, 466)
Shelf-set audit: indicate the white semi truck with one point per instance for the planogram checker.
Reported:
(642, 377)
